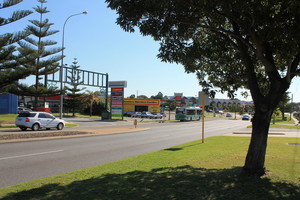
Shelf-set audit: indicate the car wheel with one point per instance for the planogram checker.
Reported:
(23, 128)
(60, 126)
(35, 127)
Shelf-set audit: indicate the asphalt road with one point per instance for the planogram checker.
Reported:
(24, 161)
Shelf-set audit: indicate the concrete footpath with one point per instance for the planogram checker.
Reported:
(274, 133)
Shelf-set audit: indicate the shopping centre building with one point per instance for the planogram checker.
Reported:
(140, 105)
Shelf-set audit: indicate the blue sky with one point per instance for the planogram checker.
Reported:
(102, 46)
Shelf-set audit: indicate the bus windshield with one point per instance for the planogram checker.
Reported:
(180, 111)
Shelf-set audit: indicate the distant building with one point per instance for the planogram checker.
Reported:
(219, 104)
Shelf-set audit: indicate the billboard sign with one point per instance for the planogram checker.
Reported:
(203, 97)
(178, 99)
(117, 84)
(117, 102)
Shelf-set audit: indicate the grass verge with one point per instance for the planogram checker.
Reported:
(286, 126)
(77, 115)
(188, 171)
(8, 117)
(13, 126)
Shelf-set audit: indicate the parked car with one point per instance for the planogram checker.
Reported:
(136, 114)
(163, 114)
(21, 109)
(155, 116)
(38, 120)
(158, 115)
(228, 115)
(128, 114)
(219, 112)
(146, 115)
(246, 117)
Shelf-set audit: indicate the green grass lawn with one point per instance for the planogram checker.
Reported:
(185, 172)
(8, 117)
(77, 115)
(287, 126)
(278, 120)
(279, 123)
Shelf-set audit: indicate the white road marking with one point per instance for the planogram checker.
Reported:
(28, 155)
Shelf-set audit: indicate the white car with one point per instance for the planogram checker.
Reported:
(38, 120)
(156, 116)
(21, 109)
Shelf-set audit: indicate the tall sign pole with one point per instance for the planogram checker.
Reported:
(203, 100)
(117, 98)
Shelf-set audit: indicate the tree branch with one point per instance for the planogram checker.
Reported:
(266, 57)
(252, 79)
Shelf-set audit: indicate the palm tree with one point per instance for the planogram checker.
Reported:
(89, 97)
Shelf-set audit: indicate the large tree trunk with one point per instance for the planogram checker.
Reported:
(264, 108)
(255, 159)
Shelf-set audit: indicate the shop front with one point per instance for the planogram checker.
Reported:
(142, 105)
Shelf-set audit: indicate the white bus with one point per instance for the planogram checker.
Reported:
(188, 113)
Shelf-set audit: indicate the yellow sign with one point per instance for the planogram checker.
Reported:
(142, 101)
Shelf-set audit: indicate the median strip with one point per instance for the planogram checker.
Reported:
(31, 136)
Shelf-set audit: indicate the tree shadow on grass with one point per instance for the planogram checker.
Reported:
(178, 183)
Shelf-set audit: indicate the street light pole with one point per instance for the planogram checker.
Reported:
(62, 63)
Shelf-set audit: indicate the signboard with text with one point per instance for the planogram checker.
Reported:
(117, 84)
(178, 99)
(117, 102)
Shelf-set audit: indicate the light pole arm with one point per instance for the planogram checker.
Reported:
(63, 33)
(62, 63)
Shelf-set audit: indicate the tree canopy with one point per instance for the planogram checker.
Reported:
(39, 55)
(229, 45)
(11, 67)
(73, 90)
(90, 97)
(221, 40)
(158, 96)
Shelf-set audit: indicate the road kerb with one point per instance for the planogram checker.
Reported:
(84, 133)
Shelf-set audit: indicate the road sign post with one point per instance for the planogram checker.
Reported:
(203, 102)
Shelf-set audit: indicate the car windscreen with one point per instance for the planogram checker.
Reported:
(26, 114)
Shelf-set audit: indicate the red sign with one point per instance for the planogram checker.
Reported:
(117, 89)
